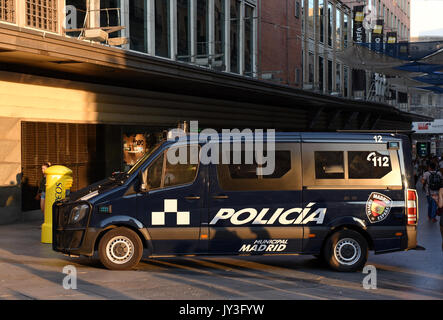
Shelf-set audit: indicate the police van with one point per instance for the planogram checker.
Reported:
(332, 195)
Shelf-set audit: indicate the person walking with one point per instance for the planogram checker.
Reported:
(432, 181)
(42, 188)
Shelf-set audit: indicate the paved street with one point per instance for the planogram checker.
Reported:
(31, 270)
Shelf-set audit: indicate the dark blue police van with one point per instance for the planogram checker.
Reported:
(332, 195)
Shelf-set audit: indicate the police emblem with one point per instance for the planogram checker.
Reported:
(378, 207)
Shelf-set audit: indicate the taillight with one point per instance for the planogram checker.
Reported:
(412, 207)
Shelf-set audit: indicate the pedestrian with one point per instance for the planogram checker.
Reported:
(431, 181)
(415, 165)
(42, 188)
(440, 213)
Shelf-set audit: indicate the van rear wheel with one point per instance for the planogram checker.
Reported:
(346, 250)
(120, 249)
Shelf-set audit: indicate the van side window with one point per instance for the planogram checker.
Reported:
(329, 165)
(242, 177)
(154, 176)
(368, 164)
(178, 174)
(161, 173)
(249, 171)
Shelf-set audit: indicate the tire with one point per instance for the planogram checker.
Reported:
(120, 249)
(346, 251)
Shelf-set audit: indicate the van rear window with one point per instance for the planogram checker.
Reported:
(368, 164)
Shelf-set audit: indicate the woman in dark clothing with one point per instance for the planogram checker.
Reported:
(42, 187)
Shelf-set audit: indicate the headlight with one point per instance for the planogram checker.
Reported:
(78, 213)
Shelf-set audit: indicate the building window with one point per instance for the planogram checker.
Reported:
(345, 81)
(321, 67)
(310, 24)
(329, 76)
(330, 25)
(162, 29)
(338, 78)
(183, 30)
(321, 12)
(345, 30)
(219, 36)
(42, 14)
(249, 40)
(138, 26)
(311, 68)
(234, 36)
(7, 10)
(338, 29)
(202, 28)
(75, 16)
(297, 9)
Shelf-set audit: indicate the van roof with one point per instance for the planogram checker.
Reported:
(305, 136)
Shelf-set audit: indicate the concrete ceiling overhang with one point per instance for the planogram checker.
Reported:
(33, 52)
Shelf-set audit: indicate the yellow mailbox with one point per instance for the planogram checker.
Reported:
(58, 181)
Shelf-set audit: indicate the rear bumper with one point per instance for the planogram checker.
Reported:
(410, 240)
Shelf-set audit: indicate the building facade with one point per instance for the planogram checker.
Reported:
(94, 84)
(327, 29)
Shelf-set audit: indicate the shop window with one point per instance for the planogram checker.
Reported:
(368, 164)
(136, 145)
(183, 30)
(138, 26)
(162, 28)
(42, 14)
(7, 10)
(329, 165)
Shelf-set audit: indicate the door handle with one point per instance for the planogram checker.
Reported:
(222, 196)
(192, 198)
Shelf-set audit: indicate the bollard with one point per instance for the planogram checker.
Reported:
(58, 181)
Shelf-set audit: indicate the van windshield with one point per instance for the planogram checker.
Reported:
(143, 159)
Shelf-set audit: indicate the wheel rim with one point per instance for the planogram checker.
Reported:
(120, 250)
(347, 251)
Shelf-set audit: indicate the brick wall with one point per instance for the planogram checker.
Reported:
(279, 43)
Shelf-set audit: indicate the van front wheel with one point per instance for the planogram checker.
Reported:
(120, 249)
(346, 250)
